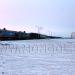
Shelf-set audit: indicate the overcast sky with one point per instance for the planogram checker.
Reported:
(56, 16)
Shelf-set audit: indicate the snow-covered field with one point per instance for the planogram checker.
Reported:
(37, 57)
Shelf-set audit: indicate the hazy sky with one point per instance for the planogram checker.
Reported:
(57, 16)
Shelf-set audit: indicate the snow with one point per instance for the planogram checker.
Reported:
(37, 57)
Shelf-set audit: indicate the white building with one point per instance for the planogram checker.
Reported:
(73, 35)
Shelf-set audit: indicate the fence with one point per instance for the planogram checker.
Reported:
(43, 48)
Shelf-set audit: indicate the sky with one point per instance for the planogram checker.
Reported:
(56, 17)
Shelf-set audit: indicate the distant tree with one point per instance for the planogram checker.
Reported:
(4, 28)
(24, 31)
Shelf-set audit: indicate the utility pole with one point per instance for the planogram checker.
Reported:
(50, 33)
(38, 30)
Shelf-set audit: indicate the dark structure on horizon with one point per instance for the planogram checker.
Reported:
(14, 35)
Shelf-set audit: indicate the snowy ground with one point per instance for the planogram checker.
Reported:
(37, 57)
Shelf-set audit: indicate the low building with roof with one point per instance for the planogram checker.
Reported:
(73, 35)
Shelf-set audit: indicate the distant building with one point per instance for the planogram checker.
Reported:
(73, 35)
(12, 35)
(6, 34)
